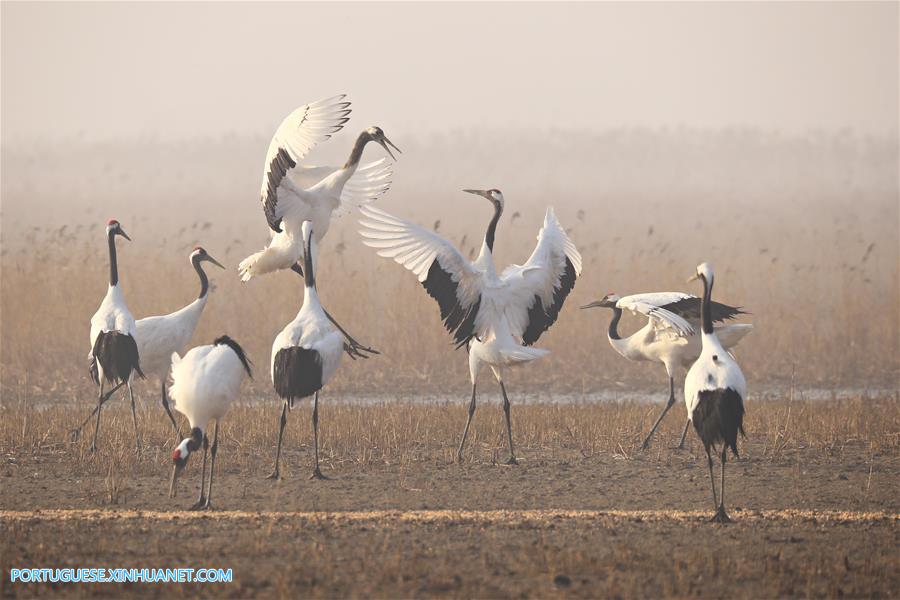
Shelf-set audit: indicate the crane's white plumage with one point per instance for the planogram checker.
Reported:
(291, 193)
(112, 315)
(497, 317)
(205, 383)
(159, 336)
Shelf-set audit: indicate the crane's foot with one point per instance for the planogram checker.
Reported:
(646, 444)
(274, 475)
(201, 504)
(678, 447)
(74, 435)
(511, 461)
(93, 448)
(721, 516)
(317, 474)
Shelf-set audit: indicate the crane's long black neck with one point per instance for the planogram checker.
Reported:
(614, 324)
(492, 227)
(705, 306)
(204, 280)
(356, 154)
(113, 265)
(308, 276)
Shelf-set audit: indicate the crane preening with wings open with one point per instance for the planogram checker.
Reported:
(292, 193)
(498, 317)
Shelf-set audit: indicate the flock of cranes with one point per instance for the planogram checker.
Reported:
(496, 317)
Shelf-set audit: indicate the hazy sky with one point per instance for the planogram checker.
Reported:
(111, 70)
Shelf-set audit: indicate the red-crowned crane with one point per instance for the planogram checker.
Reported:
(714, 392)
(306, 354)
(205, 382)
(158, 337)
(658, 341)
(497, 317)
(317, 192)
(114, 352)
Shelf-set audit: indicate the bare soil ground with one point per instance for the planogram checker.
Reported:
(814, 497)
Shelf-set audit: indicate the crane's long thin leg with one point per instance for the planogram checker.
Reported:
(684, 434)
(76, 433)
(276, 474)
(137, 435)
(712, 479)
(512, 455)
(202, 498)
(316, 474)
(659, 419)
(721, 515)
(353, 348)
(100, 401)
(212, 467)
(462, 443)
(165, 404)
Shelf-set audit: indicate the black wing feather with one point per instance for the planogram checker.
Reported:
(718, 417)
(278, 168)
(458, 319)
(540, 318)
(298, 373)
(117, 353)
(227, 341)
(689, 308)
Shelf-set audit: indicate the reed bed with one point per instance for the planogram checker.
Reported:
(803, 232)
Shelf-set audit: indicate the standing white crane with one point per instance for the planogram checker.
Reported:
(306, 354)
(714, 392)
(317, 192)
(658, 341)
(498, 317)
(158, 337)
(114, 351)
(205, 382)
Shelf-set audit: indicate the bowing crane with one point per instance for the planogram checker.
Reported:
(205, 382)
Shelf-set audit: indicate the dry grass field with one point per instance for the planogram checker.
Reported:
(586, 513)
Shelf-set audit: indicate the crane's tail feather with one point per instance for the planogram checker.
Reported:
(522, 354)
(262, 262)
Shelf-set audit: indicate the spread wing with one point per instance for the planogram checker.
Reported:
(689, 308)
(294, 138)
(649, 305)
(444, 273)
(536, 290)
(369, 182)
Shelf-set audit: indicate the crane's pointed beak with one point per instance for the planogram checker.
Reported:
(482, 193)
(693, 277)
(123, 234)
(384, 141)
(214, 261)
(593, 304)
(176, 471)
